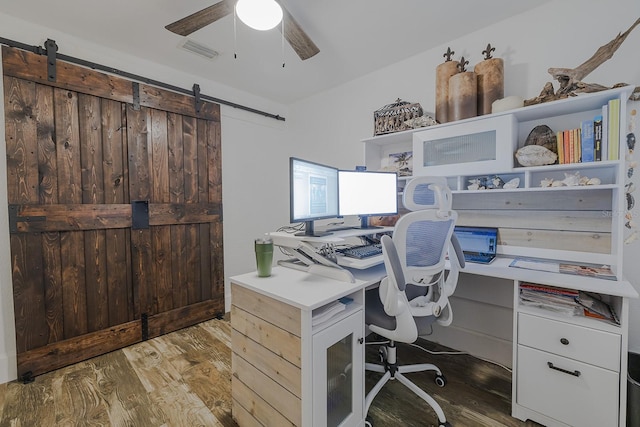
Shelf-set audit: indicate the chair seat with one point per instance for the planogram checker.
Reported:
(374, 315)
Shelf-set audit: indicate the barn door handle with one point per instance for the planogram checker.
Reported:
(575, 373)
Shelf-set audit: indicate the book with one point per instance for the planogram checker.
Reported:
(550, 298)
(549, 289)
(572, 146)
(560, 147)
(614, 129)
(597, 138)
(589, 270)
(605, 132)
(567, 148)
(586, 141)
(577, 138)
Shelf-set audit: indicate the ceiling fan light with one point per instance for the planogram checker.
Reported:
(259, 14)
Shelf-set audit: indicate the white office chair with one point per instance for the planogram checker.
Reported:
(416, 291)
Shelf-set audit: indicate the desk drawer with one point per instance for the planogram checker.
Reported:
(581, 343)
(579, 395)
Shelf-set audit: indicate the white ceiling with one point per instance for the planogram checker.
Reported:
(355, 37)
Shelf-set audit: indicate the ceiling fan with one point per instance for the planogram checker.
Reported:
(293, 33)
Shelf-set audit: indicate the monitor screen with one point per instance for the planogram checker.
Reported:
(313, 192)
(367, 193)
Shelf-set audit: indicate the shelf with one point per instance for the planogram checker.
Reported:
(569, 166)
(392, 138)
(531, 189)
(587, 322)
(582, 102)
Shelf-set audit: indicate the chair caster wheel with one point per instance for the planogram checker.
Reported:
(440, 381)
(445, 424)
(368, 422)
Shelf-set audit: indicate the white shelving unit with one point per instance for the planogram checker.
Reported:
(567, 371)
(511, 129)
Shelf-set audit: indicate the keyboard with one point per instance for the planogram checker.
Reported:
(363, 251)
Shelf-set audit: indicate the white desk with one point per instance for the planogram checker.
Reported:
(275, 313)
(567, 370)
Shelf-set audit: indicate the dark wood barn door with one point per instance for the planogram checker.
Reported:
(115, 205)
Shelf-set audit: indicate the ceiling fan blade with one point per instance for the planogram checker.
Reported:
(202, 18)
(297, 38)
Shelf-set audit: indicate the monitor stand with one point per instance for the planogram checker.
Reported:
(364, 223)
(309, 231)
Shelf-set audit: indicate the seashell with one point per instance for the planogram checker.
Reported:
(594, 181)
(631, 202)
(474, 184)
(631, 141)
(546, 182)
(512, 183)
(630, 187)
(535, 155)
(631, 238)
(419, 122)
(583, 180)
(571, 180)
(497, 182)
(543, 135)
(557, 184)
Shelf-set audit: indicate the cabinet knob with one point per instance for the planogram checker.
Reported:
(564, 341)
(360, 340)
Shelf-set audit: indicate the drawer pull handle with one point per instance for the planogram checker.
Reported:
(564, 341)
(574, 373)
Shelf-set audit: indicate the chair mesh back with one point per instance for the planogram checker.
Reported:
(424, 196)
(425, 242)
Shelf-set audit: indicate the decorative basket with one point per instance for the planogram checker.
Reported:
(391, 117)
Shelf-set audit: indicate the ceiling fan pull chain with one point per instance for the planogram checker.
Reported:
(282, 38)
(235, 37)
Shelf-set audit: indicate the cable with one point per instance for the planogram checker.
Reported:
(459, 353)
(445, 353)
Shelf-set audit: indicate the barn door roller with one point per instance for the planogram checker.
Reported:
(51, 48)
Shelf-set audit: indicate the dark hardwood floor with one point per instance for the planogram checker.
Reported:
(477, 393)
(184, 379)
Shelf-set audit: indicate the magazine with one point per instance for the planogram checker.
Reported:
(588, 270)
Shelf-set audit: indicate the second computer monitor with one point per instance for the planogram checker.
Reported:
(367, 193)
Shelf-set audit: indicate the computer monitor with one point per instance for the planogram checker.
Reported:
(313, 193)
(367, 193)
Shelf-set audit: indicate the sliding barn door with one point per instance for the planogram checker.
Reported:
(115, 206)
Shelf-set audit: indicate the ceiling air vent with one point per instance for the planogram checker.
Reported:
(199, 49)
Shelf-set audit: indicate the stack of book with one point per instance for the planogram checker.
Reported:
(566, 301)
(595, 140)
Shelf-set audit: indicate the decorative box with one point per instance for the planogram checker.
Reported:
(391, 117)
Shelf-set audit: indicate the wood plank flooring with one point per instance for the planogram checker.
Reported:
(184, 379)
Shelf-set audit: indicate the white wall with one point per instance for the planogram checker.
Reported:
(562, 33)
(328, 127)
(255, 198)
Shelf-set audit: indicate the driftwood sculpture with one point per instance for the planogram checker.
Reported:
(570, 79)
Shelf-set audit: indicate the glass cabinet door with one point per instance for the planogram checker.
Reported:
(475, 146)
(338, 373)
